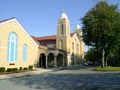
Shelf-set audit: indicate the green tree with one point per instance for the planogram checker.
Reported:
(114, 55)
(92, 56)
(101, 27)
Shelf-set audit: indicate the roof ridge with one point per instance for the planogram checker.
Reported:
(50, 37)
(7, 19)
(46, 36)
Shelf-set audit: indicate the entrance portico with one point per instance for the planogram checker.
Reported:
(51, 58)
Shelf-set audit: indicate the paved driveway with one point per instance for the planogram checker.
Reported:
(70, 79)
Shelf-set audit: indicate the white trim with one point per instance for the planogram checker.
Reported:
(5, 22)
(15, 51)
(8, 51)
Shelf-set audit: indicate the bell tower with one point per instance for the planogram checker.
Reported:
(78, 31)
(63, 32)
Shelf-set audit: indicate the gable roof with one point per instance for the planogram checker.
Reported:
(51, 37)
(7, 19)
(14, 19)
(34, 38)
(45, 38)
(71, 34)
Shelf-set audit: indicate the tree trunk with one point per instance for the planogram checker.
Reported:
(103, 58)
(106, 63)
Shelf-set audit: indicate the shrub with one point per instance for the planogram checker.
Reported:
(30, 67)
(2, 69)
(9, 69)
(25, 68)
(20, 68)
(14, 69)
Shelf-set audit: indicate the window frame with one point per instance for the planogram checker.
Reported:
(24, 52)
(12, 47)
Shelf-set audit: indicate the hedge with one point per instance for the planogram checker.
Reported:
(30, 67)
(12, 69)
(9, 69)
(2, 69)
(25, 68)
(20, 68)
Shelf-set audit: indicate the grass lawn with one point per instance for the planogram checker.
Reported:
(108, 68)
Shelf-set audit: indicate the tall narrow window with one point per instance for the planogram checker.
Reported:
(12, 47)
(77, 48)
(24, 52)
(73, 47)
(61, 44)
(62, 29)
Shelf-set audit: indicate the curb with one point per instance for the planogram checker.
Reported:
(18, 75)
(30, 73)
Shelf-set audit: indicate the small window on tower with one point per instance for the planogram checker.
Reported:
(61, 44)
(62, 29)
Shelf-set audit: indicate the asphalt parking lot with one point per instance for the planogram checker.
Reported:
(68, 79)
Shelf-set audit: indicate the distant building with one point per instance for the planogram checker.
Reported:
(19, 49)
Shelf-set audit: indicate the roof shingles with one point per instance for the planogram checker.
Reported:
(44, 38)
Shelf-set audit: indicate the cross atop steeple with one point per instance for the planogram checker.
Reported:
(63, 11)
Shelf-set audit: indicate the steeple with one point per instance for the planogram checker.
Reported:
(77, 27)
(63, 31)
(63, 15)
(63, 27)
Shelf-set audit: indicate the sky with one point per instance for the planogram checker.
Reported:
(39, 17)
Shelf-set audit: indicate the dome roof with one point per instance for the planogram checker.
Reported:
(63, 15)
(77, 27)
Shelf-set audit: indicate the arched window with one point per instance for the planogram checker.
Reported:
(24, 52)
(62, 29)
(12, 47)
(61, 44)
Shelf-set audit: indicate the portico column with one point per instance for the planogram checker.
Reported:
(41, 61)
(46, 62)
(55, 61)
(63, 61)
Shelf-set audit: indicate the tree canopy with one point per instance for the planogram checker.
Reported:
(101, 27)
(92, 56)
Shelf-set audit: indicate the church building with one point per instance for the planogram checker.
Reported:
(19, 49)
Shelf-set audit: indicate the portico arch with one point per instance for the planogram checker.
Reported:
(42, 60)
(60, 60)
(51, 59)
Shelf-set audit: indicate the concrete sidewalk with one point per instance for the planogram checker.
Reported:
(29, 73)
(38, 71)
